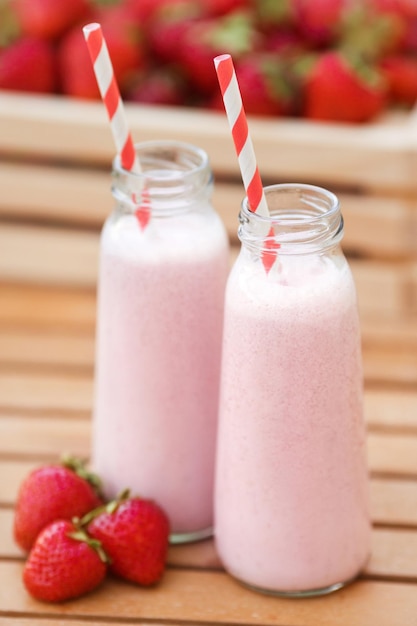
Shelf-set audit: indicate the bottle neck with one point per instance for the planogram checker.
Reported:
(303, 219)
(175, 177)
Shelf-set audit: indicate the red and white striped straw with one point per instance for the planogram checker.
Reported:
(243, 143)
(252, 182)
(110, 94)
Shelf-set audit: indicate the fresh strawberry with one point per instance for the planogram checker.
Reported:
(215, 8)
(134, 533)
(64, 563)
(336, 90)
(49, 19)
(319, 21)
(401, 74)
(125, 42)
(165, 38)
(152, 13)
(162, 86)
(76, 72)
(28, 64)
(264, 85)
(205, 39)
(53, 492)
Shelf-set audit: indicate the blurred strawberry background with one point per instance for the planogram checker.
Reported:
(342, 60)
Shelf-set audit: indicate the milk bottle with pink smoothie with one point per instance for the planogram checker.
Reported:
(159, 330)
(291, 509)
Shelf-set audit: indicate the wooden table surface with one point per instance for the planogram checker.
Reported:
(46, 372)
(49, 219)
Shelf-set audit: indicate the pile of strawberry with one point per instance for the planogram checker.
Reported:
(343, 60)
(73, 538)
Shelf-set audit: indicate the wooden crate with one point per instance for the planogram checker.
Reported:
(56, 158)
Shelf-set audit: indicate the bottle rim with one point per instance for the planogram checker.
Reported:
(303, 218)
(197, 162)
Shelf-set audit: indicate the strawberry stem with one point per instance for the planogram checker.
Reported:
(79, 467)
(80, 535)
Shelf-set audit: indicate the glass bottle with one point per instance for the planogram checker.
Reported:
(164, 261)
(291, 495)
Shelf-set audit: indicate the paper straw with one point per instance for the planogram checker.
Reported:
(252, 182)
(109, 90)
(110, 94)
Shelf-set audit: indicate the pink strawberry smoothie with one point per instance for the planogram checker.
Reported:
(291, 511)
(160, 319)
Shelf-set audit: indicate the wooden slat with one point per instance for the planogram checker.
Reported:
(392, 454)
(393, 408)
(12, 474)
(378, 155)
(51, 393)
(68, 350)
(42, 306)
(393, 553)
(393, 501)
(47, 348)
(78, 196)
(70, 392)
(374, 225)
(48, 255)
(44, 438)
(390, 365)
(210, 597)
(41, 437)
(57, 256)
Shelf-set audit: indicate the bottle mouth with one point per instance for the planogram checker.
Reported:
(172, 172)
(302, 218)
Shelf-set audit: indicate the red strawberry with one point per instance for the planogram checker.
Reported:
(401, 74)
(155, 12)
(134, 533)
(162, 86)
(75, 69)
(336, 90)
(125, 41)
(224, 7)
(49, 19)
(264, 85)
(64, 563)
(319, 21)
(206, 38)
(52, 492)
(17, 63)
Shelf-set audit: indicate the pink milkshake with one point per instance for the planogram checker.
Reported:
(160, 319)
(291, 510)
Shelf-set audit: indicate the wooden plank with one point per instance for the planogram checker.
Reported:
(377, 155)
(390, 365)
(48, 255)
(393, 501)
(44, 438)
(42, 306)
(58, 194)
(56, 256)
(67, 350)
(71, 351)
(392, 454)
(12, 474)
(50, 437)
(51, 393)
(209, 597)
(393, 553)
(374, 225)
(70, 392)
(393, 408)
